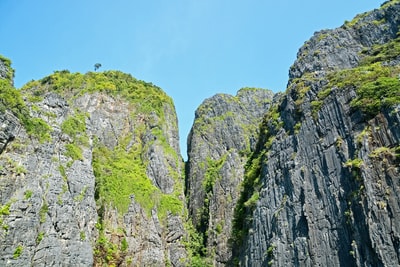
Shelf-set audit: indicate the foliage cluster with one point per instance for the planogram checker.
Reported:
(195, 247)
(377, 83)
(11, 100)
(146, 97)
(18, 251)
(377, 86)
(108, 253)
(10, 71)
(121, 173)
(211, 176)
(247, 201)
(75, 127)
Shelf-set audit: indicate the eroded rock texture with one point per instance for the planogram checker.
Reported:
(90, 171)
(225, 131)
(98, 182)
(329, 177)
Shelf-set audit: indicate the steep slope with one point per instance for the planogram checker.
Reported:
(325, 177)
(225, 131)
(91, 173)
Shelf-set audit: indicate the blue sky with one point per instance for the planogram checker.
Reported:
(192, 49)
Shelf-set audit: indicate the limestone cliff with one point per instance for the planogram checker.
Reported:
(90, 173)
(225, 131)
(326, 179)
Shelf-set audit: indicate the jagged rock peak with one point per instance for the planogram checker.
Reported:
(340, 48)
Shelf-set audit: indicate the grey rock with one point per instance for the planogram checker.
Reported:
(224, 133)
(339, 48)
(317, 207)
(53, 217)
(6, 72)
(9, 126)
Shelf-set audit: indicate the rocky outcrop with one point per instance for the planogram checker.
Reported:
(340, 48)
(6, 72)
(91, 177)
(48, 213)
(90, 172)
(224, 133)
(329, 166)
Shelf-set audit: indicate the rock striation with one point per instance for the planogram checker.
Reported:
(329, 163)
(224, 133)
(90, 171)
(89, 177)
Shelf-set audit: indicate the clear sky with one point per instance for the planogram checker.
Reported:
(192, 49)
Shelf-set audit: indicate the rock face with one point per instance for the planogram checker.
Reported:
(340, 48)
(89, 177)
(225, 131)
(90, 171)
(330, 162)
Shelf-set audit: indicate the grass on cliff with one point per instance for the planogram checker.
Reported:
(377, 86)
(10, 70)
(248, 198)
(121, 173)
(146, 96)
(376, 81)
(11, 100)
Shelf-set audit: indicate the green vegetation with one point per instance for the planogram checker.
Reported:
(10, 71)
(121, 174)
(376, 84)
(389, 3)
(82, 235)
(81, 195)
(18, 251)
(271, 124)
(299, 89)
(120, 171)
(73, 151)
(270, 254)
(384, 152)
(356, 20)
(146, 97)
(195, 247)
(374, 95)
(14, 166)
(211, 176)
(355, 167)
(74, 125)
(39, 238)
(355, 163)
(108, 253)
(297, 127)
(5, 209)
(212, 172)
(43, 212)
(11, 100)
(315, 107)
(28, 194)
(247, 201)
